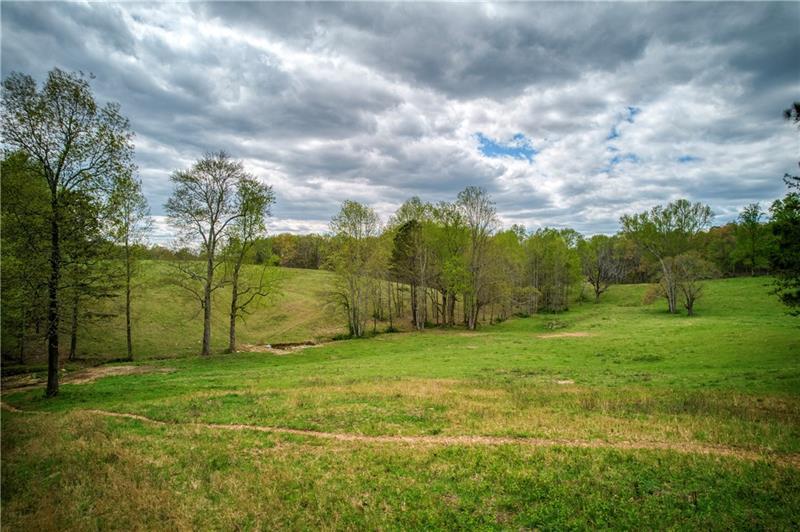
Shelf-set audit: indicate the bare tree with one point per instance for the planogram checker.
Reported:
(204, 204)
(600, 263)
(76, 145)
(692, 269)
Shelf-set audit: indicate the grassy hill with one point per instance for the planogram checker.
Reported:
(612, 415)
(168, 322)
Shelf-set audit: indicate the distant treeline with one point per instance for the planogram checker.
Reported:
(730, 248)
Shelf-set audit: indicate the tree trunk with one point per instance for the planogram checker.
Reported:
(389, 303)
(206, 349)
(52, 307)
(128, 298)
(22, 331)
(234, 309)
(414, 305)
(73, 330)
(472, 316)
(670, 287)
(452, 310)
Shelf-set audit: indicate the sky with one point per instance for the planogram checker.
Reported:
(568, 114)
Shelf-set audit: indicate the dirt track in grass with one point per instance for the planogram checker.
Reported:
(28, 382)
(784, 459)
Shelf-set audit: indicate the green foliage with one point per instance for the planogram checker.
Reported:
(553, 268)
(25, 224)
(785, 259)
(356, 229)
(76, 147)
(666, 232)
(752, 239)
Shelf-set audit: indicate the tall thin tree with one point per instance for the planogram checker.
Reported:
(255, 202)
(480, 219)
(129, 220)
(75, 145)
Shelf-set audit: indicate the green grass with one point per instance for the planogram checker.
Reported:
(628, 372)
(168, 322)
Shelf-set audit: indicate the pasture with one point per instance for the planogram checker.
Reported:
(614, 414)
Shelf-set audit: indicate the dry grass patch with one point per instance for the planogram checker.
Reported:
(576, 334)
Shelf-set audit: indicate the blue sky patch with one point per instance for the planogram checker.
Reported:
(631, 157)
(630, 116)
(687, 159)
(519, 147)
(632, 112)
(620, 158)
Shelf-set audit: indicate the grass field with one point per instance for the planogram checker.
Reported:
(622, 416)
(168, 322)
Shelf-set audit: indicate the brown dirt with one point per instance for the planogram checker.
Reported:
(785, 459)
(565, 335)
(20, 383)
(276, 349)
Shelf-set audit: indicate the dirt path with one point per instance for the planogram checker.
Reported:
(20, 383)
(576, 334)
(786, 459)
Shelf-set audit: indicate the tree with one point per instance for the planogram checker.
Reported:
(552, 268)
(204, 204)
(719, 245)
(785, 259)
(792, 114)
(666, 232)
(90, 275)
(129, 223)
(691, 268)
(750, 241)
(75, 146)
(480, 219)
(255, 202)
(25, 211)
(408, 264)
(600, 262)
(355, 227)
(449, 241)
(506, 292)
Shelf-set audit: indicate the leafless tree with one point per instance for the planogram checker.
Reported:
(204, 204)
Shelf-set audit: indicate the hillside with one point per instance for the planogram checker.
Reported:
(168, 322)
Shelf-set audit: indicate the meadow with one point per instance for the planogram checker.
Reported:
(610, 415)
(167, 321)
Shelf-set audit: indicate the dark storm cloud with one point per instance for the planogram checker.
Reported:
(458, 49)
(378, 102)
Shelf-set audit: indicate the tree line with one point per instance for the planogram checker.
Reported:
(75, 220)
(75, 225)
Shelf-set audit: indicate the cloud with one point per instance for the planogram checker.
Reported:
(569, 114)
